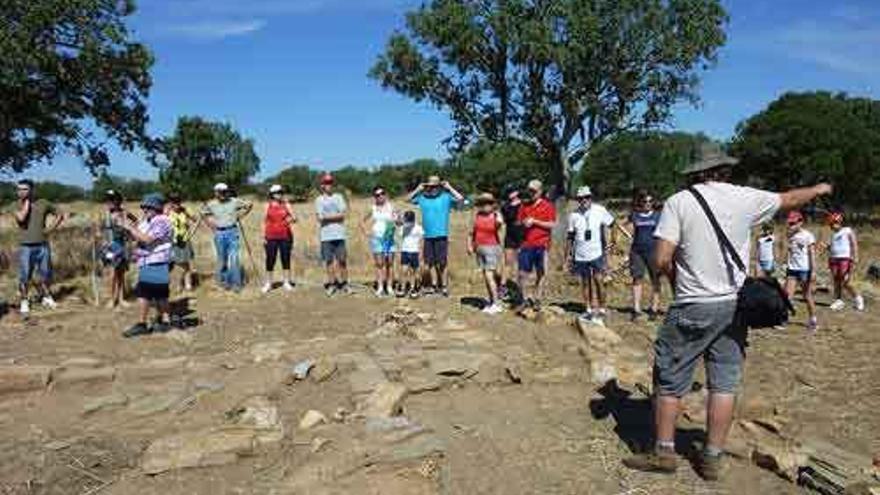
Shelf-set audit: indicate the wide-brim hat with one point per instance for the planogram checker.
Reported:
(221, 187)
(485, 199)
(711, 156)
(276, 189)
(434, 180)
(153, 201)
(584, 192)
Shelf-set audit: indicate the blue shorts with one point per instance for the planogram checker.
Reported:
(410, 260)
(767, 266)
(153, 282)
(382, 246)
(531, 259)
(588, 269)
(801, 276)
(34, 257)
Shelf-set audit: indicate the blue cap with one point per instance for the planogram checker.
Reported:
(154, 201)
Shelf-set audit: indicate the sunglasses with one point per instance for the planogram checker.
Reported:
(379, 194)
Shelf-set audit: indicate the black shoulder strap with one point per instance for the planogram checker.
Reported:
(723, 240)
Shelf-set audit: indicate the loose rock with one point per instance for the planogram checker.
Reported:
(386, 401)
(23, 378)
(198, 449)
(75, 376)
(312, 419)
(106, 402)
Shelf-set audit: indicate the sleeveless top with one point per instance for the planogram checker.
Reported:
(383, 221)
(277, 227)
(486, 229)
(840, 244)
(113, 233)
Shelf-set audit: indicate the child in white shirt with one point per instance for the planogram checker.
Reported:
(410, 247)
(802, 265)
(843, 254)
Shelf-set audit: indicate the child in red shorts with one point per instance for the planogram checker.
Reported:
(843, 255)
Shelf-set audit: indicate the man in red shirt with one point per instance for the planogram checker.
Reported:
(538, 218)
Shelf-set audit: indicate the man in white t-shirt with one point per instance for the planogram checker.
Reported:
(700, 323)
(588, 228)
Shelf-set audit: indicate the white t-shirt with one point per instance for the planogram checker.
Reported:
(412, 238)
(840, 243)
(383, 219)
(766, 253)
(587, 229)
(799, 250)
(703, 273)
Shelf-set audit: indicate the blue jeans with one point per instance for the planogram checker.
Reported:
(34, 258)
(226, 242)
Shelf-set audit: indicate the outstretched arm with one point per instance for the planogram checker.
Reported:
(794, 199)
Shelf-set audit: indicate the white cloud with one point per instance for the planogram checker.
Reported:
(216, 29)
(842, 43)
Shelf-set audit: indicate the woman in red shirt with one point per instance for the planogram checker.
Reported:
(278, 233)
(485, 243)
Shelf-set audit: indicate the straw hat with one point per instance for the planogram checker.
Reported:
(485, 199)
(434, 180)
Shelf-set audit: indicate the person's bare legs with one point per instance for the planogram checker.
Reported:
(656, 290)
(144, 310)
(719, 418)
(379, 265)
(599, 280)
(790, 285)
(491, 285)
(637, 295)
(666, 411)
(587, 294)
(810, 297)
(539, 285)
(523, 280)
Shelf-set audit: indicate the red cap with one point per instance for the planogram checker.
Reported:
(327, 178)
(835, 217)
(795, 217)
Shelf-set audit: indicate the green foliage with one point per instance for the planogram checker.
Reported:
(802, 138)
(299, 181)
(131, 189)
(70, 69)
(634, 160)
(494, 167)
(49, 190)
(202, 153)
(558, 75)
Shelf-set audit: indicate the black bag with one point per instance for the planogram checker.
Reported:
(761, 302)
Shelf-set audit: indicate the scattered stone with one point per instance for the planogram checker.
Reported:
(300, 371)
(324, 370)
(23, 378)
(260, 415)
(598, 336)
(155, 403)
(81, 362)
(386, 401)
(340, 415)
(76, 376)
(207, 386)
(57, 445)
(514, 373)
(454, 364)
(105, 402)
(319, 443)
(312, 419)
(367, 376)
(198, 449)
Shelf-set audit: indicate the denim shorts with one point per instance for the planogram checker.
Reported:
(34, 257)
(333, 251)
(694, 331)
(531, 259)
(588, 269)
(410, 260)
(382, 246)
(802, 276)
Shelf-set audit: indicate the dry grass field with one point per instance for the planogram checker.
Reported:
(492, 405)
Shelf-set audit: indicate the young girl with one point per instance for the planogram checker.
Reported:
(843, 255)
(802, 264)
(182, 250)
(153, 253)
(765, 252)
(485, 243)
(114, 250)
(279, 237)
(384, 226)
(410, 246)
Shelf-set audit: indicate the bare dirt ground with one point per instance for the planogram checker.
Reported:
(491, 405)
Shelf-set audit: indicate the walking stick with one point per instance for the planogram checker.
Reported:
(247, 247)
(96, 284)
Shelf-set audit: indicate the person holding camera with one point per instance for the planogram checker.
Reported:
(588, 229)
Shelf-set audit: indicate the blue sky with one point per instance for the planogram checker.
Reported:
(292, 75)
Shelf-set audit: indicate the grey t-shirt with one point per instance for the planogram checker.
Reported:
(34, 230)
(328, 206)
(225, 213)
(703, 273)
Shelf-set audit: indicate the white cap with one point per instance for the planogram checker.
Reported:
(584, 192)
(536, 185)
(276, 189)
(220, 186)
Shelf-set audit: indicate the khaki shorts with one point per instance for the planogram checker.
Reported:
(489, 257)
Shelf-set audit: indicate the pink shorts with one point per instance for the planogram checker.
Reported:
(840, 267)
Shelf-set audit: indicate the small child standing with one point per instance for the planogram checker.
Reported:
(410, 247)
(843, 254)
(766, 251)
(485, 243)
(802, 264)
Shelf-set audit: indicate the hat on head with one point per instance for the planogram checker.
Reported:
(835, 217)
(485, 199)
(711, 156)
(536, 185)
(221, 187)
(795, 217)
(110, 194)
(327, 178)
(153, 201)
(584, 192)
(276, 189)
(434, 180)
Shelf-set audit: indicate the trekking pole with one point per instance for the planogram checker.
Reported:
(247, 247)
(96, 284)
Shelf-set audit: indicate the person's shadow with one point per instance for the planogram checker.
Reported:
(635, 421)
(181, 309)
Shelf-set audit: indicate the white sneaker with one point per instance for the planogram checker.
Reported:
(813, 324)
(586, 316)
(860, 303)
(266, 287)
(25, 307)
(49, 303)
(287, 286)
(838, 305)
(493, 309)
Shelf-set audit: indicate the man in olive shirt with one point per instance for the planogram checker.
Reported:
(222, 216)
(30, 217)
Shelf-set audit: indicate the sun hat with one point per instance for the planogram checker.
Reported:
(795, 217)
(153, 201)
(711, 156)
(276, 189)
(584, 192)
(535, 185)
(434, 180)
(327, 178)
(484, 199)
(221, 187)
(111, 194)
